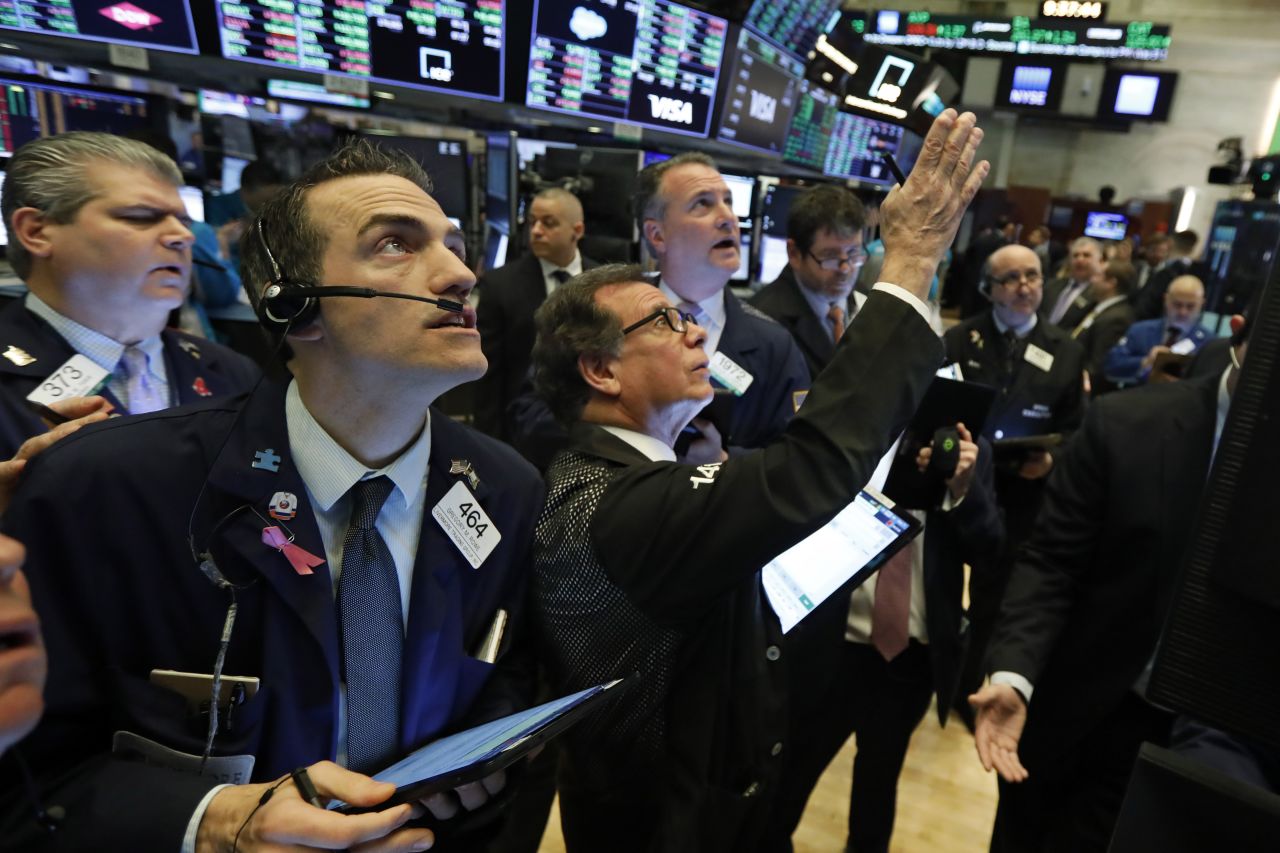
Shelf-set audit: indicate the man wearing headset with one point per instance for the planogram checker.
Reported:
(327, 511)
(1038, 371)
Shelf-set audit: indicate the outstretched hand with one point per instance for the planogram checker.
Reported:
(1001, 714)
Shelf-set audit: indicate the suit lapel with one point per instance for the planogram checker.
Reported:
(804, 324)
(236, 486)
(193, 370)
(24, 337)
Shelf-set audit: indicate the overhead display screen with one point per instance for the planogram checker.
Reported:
(154, 24)
(453, 46)
(1128, 95)
(29, 111)
(856, 147)
(1030, 86)
(1141, 40)
(761, 95)
(811, 126)
(793, 25)
(648, 62)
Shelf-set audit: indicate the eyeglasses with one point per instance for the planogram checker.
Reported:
(677, 321)
(1012, 279)
(854, 259)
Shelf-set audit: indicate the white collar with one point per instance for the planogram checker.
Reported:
(652, 449)
(1021, 331)
(573, 267)
(330, 471)
(712, 307)
(97, 347)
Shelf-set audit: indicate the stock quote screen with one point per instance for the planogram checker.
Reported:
(648, 62)
(856, 147)
(793, 25)
(762, 89)
(154, 24)
(814, 121)
(452, 46)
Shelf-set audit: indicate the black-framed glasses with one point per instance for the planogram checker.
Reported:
(677, 321)
(1017, 277)
(853, 259)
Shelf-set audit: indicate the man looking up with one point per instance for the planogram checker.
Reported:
(320, 509)
(1066, 300)
(644, 565)
(510, 294)
(813, 296)
(100, 236)
(684, 211)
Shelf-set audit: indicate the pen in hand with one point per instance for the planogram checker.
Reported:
(306, 787)
(893, 167)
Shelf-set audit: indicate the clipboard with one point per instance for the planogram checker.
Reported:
(946, 403)
(471, 755)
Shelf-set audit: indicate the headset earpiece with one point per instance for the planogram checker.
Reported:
(280, 310)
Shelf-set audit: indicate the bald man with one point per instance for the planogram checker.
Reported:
(1038, 371)
(1179, 332)
(510, 294)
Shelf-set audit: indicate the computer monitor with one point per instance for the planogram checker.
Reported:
(659, 62)
(857, 147)
(775, 207)
(1030, 85)
(1136, 95)
(1103, 225)
(773, 257)
(812, 124)
(445, 161)
(151, 24)
(743, 189)
(761, 90)
(793, 25)
(231, 169)
(193, 200)
(458, 48)
(31, 110)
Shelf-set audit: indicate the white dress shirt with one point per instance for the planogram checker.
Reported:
(1020, 331)
(548, 269)
(652, 449)
(713, 314)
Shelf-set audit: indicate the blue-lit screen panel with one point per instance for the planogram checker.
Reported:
(153, 24)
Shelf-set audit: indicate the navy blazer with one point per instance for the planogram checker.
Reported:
(198, 369)
(1124, 361)
(105, 515)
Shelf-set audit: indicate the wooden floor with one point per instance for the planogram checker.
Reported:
(945, 801)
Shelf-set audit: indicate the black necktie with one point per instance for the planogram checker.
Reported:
(561, 276)
(372, 632)
(1171, 335)
(1011, 349)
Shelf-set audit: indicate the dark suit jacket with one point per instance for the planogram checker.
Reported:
(197, 369)
(783, 301)
(104, 515)
(509, 295)
(1087, 598)
(1078, 310)
(1098, 339)
(654, 567)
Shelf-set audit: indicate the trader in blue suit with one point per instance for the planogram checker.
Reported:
(325, 510)
(100, 236)
(685, 214)
(1178, 331)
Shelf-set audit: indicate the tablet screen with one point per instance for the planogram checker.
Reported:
(851, 544)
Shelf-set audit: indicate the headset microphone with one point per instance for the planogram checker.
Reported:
(279, 305)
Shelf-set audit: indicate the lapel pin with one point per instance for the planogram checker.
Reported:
(975, 338)
(302, 561)
(201, 388)
(266, 460)
(284, 506)
(190, 348)
(462, 466)
(19, 356)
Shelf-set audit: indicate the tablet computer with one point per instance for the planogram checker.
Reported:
(849, 548)
(471, 755)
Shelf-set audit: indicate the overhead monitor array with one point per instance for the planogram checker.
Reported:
(153, 24)
(792, 25)
(452, 46)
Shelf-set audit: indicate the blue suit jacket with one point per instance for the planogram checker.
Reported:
(1124, 362)
(105, 518)
(197, 369)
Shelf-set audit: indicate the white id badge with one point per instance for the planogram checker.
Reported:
(467, 524)
(1039, 358)
(77, 377)
(730, 374)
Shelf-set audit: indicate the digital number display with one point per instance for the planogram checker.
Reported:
(1073, 9)
(856, 147)
(648, 62)
(1091, 39)
(793, 25)
(440, 45)
(811, 126)
(154, 24)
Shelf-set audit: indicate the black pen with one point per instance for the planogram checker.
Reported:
(305, 787)
(893, 167)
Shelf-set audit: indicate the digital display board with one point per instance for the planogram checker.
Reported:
(1105, 226)
(760, 96)
(1141, 40)
(1030, 86)
(452, 46)
(648, 62)
(812, 123)
(856, 147)
(153, 24)
(29, 111)
(793, 25)
(1141, 95)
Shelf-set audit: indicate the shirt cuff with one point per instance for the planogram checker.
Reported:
(1017, 682)
(907, 297)
(949, 503)
(193, 826)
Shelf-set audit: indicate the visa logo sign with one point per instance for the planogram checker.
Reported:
(763, 107)
(671, 109)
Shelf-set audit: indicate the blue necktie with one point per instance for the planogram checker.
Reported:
(145, 393)
(372, 632)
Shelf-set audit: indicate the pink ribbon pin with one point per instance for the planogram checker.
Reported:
(302, 561)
